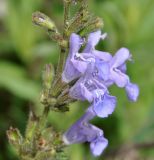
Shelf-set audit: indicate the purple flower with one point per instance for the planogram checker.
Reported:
(89, 88)
(76, 63)
(118, 74)
(85, 87)
(83, 131)
(95, 71)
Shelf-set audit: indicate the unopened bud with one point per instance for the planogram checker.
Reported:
(44, 21)
(98, 23)
(14, 137)
(48, 74)
(32, 123)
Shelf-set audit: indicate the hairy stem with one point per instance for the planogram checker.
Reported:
(64, 49)
(66, 12)
(43, 119)
(61, 61)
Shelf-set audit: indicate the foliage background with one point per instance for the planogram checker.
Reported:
(25, 48)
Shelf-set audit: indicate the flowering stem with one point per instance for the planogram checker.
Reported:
(40, 142)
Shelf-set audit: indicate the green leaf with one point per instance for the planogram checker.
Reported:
(14, 79)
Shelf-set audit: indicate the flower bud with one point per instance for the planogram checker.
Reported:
(48, 74)
(44, 21)
(14, 137)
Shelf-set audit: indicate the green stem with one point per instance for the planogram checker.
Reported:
(44, 117)
(66, 13)
(64, 49)
(40, 127)
(63, 53)
(61, 61)
(42, 122)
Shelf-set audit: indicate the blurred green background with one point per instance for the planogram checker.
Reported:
(25, 48)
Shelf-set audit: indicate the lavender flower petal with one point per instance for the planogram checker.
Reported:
(119, 78)
(105, 56)
(104, 105)
(93, 39)
(80, 92)
(75, 43)
(85, 87)
(121, 56)
(75, 91)
(70, 72)
(82, 131)
(91, 132)
(98, 145)
(102, 70)
(122, 68)
(132, 91)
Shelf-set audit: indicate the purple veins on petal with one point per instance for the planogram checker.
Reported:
(132, 91)
(98, 145)
(104, 105)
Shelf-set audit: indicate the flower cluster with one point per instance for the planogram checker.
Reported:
(95, 71)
